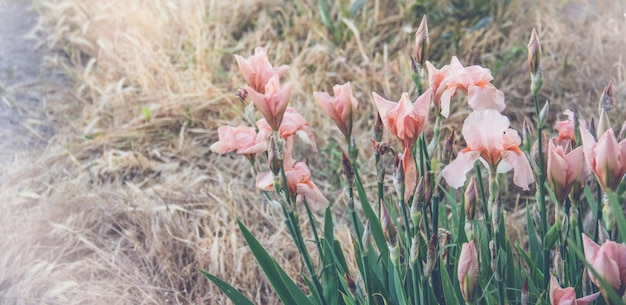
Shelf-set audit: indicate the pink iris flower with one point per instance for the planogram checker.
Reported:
(405, 120)
(340, 108)
(475, 81)
(292, 124)
(565, 168)
(489, 138)
(273, 102)
(243, 139)
(567, 296)
(299, 183)
(609, 261)
(606, 158)
(257, 69)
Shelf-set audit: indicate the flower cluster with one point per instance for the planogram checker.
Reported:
(279, 125)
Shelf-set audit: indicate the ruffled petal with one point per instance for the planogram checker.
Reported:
(522, 172)
(455, 172)
(485, 97)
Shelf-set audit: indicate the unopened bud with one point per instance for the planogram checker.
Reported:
(242, 94)
(444, 239)
(534, 52)
(592, 128)
(496, 214)
(394, 254)
(378, 128)
(558, 265)
(380, 147)
(564, 227)
(607, 214)
(525, 293)
(471, 202)
(586, 283)
(527, 138)
(398, 176)
(447, 147)
(543, 115)
(389, 229)
(603, 234)
(353, 151)
(431, 256)
(416, 214)
(469, 230)
(573, 216)
(604, 123)
(493, 255)
(422, 42)
(536, 81)
(274, 157)
(606, 99)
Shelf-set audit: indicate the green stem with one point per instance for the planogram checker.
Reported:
(541, 197)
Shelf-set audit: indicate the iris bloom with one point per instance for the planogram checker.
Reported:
(567, 296)
(565, 168)
(475, 81)
(340, 108)
(299, 183)
(273, 102)
(405, 121)
(609, 261)
(489, 138)
(468, 271)
(292, 124)
(257, 69)
(606, 158)
(243, 139)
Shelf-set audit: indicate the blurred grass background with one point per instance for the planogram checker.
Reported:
(127, 202)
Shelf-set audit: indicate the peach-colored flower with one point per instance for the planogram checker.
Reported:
(489, 138)
(565, 167)
(609, 261)
(606, 158)
(273, 102)
(468, 271)
(299, 183)
(293, 124)
(566, 127)
(567, 296)
(340, 108)
(242, 139)
(403, 119)
(475, 81)
(257, 69)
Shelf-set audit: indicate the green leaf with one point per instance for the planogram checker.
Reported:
(449, 290)
(286, 289)
(232, 293)
(376, 228)
(620, 219)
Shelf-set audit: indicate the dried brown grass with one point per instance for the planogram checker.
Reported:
(124, 210)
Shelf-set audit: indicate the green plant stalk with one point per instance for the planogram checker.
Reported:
(436, 134)
(313, 227)
(483, 196)
(498, 233)
(541, 197)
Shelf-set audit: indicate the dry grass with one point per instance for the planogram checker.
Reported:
(123, 210)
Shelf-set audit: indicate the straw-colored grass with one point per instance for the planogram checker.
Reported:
(124, 210)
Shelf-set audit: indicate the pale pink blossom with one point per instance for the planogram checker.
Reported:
(490, 139)
(609, 261)
(257, 69)
(293, 124)
(475, 81)
(404, 119)
(567, 296)
(565, 167)
(299, 183)
(242, 139)
(468, 271)
(273, 102)
(606, 158)
(340, 108)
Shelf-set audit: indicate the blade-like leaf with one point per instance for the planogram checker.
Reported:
(232, 293)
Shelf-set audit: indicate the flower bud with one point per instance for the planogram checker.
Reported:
(493, 255)
(350, 283)
(444, 239)
(415, 247)
(558, 265)
(573, 216)
(468, 271)
(274, 157)
(447, 147)
(389, 229)
(348, 170)
(496, 214)
(422, 42)
(394, 254)
(416, 214)
(471, 202)
(431, 256)
(527, 138)
(534, 52)
(365, 239)
(564, 227)
(603, 234)
(378, 128)
(536, 81)
(606, 99)
(607, 215)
